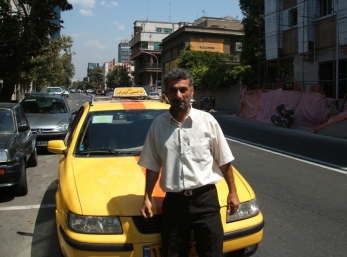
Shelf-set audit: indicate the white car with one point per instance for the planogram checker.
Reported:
(55, 90)
(153, 96)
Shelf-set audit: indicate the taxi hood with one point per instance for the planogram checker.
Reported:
(112, 186)
(115, 186)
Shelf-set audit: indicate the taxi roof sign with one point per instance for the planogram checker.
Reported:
(129, 92)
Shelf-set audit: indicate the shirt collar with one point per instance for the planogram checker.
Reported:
(192, 115)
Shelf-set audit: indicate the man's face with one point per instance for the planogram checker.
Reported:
(179, 94)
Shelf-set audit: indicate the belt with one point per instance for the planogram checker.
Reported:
(195, 191)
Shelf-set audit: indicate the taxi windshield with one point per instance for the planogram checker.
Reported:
(116, 132)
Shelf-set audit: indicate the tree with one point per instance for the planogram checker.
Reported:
(253, 46)
(119, 77)
(95, 76)
(53, 66)
(208, 69)
(24, 31)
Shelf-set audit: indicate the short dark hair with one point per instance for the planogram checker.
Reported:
(178, 74)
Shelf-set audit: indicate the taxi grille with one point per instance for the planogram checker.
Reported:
(148, 226)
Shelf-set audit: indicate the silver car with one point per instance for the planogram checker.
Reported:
(153, 96)
(49, 116)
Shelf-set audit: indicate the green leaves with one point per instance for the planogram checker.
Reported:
(119, 77)
(209, 69)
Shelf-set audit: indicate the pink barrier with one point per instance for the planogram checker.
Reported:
(309, 107)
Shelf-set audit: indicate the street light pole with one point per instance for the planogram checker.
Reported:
(156, 81)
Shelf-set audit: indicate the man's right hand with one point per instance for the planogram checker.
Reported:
(146, 209)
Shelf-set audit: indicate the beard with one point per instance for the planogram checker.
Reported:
(179, 104)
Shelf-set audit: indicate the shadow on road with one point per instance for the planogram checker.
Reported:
(45, 239)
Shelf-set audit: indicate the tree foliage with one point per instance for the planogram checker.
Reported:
(53, 66)
(208, 69)
(119, 77)
(253, 46)
(95, 76)
(24, 31)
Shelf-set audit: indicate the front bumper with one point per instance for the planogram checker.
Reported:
(233, 241)
(12, 174)
(43, 138)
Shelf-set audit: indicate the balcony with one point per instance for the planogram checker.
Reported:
(149, 67)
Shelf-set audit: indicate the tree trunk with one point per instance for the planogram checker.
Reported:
(7, 91)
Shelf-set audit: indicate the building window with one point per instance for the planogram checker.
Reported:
(159, 30)
(144, 45)
(156, 46)
(293, 17)
(325, 7)
(167, 30)
(238, 46)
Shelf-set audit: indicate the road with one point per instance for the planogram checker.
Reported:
(302, 198)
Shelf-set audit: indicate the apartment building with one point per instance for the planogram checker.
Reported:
(222, 35)
(146, 52)
(311, 35)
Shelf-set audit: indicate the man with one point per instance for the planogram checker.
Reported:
(189, 148)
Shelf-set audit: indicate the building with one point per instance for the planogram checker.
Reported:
(124, 51)
(311, 35)
(222, 35)
(146, 52)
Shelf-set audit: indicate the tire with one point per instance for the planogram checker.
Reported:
(32, 162)
(22, 188)
(276, 119)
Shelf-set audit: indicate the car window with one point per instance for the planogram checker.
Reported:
(53, 89)
(44, 105)
(20, 117)
(115, 131)
(73, 126)
(6, 121)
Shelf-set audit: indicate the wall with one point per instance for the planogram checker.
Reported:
(226, 99)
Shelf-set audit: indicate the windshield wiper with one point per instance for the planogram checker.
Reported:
(109, 151)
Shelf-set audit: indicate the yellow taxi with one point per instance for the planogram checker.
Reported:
(101, 186)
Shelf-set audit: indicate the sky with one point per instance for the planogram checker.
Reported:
(97, 27)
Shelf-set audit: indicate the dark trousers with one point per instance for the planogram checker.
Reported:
(199, 212)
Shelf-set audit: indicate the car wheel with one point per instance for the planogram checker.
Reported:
(22, 187)
(32, 162)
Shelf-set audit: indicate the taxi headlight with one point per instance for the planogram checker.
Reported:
(3, 156)
(94, 224)
(62, 127)
(246, 210)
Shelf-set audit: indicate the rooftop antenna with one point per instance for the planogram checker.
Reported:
(203, 13)
(147, 10)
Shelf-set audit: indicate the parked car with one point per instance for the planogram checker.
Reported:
(65, 93)
(17, 148)
(153, 96)
(101, 186)
(49, 116)
(55, 90)
(72, 90)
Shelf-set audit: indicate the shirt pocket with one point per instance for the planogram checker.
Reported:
(200, 149)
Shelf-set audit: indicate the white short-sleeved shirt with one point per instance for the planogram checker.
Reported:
(188, 154)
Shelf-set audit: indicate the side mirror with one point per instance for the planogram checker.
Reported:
(23, 127)
(56, 146)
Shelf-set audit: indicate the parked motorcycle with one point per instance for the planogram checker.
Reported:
(283, 116)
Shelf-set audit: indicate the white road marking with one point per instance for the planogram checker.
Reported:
(27, 207)
(297, 157)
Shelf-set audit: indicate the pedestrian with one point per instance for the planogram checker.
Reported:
(189, 149)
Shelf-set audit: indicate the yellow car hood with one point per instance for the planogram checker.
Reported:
(112, 186)
(115, 186)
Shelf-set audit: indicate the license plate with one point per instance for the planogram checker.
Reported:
(41, 143)
(157, 251)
